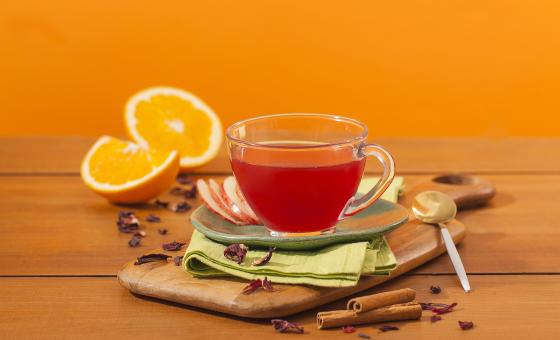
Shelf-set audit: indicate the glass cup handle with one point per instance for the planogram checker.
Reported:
(356, 205)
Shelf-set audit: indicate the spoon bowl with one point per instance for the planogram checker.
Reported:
(434, 207)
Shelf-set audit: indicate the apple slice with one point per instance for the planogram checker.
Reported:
(211, 203)
(235, 198)
(217, 195)
(235, 209)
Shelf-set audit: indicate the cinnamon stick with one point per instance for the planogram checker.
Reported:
(338, 318)
(369, 302)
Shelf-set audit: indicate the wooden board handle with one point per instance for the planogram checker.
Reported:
(467, 191)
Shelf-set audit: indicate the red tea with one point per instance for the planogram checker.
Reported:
(298, 199)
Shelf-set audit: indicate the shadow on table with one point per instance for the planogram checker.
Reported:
(200, 310)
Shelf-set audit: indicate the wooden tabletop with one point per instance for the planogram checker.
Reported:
(61, 249)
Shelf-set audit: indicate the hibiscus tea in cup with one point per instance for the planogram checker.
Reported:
(313, 196)
(300, 172)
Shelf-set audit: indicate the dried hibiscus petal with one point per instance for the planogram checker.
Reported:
(438, 308)
(431, 305)
(236, 252)
(266, 284)
(264, 260)
(187, 193)
(177, 260)
(446, 309)
(435, 318)
(180, 207)
(191, 192)
(284, 326)
(162, 231)
(151, 258)
(348, 329)
(134, 241)
(127, 222)
(162, 204)
(466, 325)
(183, 179)
(173, 246)
(153, 218)
(386, 328)
(252, 286)
(123, 228)
(435, 289)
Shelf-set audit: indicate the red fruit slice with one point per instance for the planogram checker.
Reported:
(216, 191)
(206, 195)
(235, 197)
(234, 208)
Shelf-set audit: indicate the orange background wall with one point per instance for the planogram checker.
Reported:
(404, 67)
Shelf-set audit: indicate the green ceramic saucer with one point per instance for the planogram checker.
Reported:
(380, 217)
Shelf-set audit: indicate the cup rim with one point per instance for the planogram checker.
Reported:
(360, 137)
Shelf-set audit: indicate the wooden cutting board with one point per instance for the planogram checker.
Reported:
(413, 244)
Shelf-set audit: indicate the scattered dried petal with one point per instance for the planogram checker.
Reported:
(134, 241)
(348, 329)
(180, 207)
(435, 289)
(252, 286)
(183, 179)
(435, 318)
(438, 308)
(151, 258)
(162, 204)
(445, 310)
(153, 218)
(162, 231)
(431, 305)
(140, 233)
(127, 222)
(264, 260)
(189, 192)
(267, 284)
(466, 325)
(386, 328)
(173, 246)
(284, 326)
(236, 252)
(364, 336)
(177, 260)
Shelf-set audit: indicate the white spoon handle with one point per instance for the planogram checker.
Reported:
(455, 258)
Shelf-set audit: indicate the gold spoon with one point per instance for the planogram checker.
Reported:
(437, 208)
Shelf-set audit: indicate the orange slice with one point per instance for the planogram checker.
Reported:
(167, 118)
(126, 172)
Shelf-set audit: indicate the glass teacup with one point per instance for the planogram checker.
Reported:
(300, 172)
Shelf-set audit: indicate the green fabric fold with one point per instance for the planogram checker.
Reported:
(338, 265)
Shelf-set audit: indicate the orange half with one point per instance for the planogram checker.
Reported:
(126, 172)
(168, 118)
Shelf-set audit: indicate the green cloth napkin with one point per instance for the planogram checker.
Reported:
(391, 194)
(339, 265)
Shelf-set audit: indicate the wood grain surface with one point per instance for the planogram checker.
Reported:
(55, 155)
(71, 231)
(504, 307)
(53, 226)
